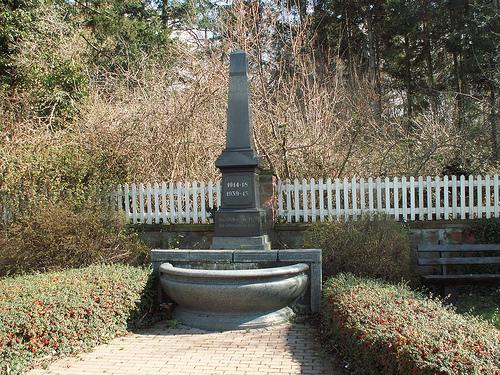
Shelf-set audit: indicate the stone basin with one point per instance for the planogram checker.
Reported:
(233, 299)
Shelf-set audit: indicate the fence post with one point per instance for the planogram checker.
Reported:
(157, 203)
(346, 199)
(370, 194)
(495, 195)
(134, 204)
(387, 196)
(149, 205)
(462, 197)
(329, 198)
(194, 184)
(396, 198)
(454, 197)
(296, 200)
(211, 196)
(487, 196)
(187, 202)
(313, 200)
(361, 196)
(429, 197)
(479, 197)
(179, 202)
(304, 200)
(142, 211)
(354, 199)
(202, 203)
(412, 198)
(446, 211)
(288, 201)
(379, 195)
(437, 184)
(404, 198)
(337, 198)
(164, 202)
(126, 199)
(321, 200)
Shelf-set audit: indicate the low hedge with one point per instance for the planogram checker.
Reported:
(47, 315)
(382, 328)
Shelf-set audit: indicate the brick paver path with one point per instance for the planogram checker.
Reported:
(285, 349)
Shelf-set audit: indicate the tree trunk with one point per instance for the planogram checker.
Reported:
(457, 25)
(303, 10)
(378, 82)
(493, 124)
(348, 35)
(409, 92)
(164, 13)
(429, 65)
(458, 87)
(372, 61)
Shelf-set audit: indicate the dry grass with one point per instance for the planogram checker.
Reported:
(55, 237)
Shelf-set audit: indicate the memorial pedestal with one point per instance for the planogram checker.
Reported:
(241, 243)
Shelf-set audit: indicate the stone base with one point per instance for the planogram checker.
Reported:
(241, 243)
(269, 258)
(226, 322)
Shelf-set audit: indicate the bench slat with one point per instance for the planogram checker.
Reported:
(461, 260)
(469, 277)
(458, 248)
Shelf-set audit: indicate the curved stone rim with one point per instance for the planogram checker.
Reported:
(294, 269)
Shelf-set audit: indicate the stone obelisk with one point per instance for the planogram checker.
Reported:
(239, 222)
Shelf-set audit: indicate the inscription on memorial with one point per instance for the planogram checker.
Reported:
(237, 190)
(237, 221)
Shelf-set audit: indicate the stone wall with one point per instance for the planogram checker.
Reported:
(427, 232)
(176, 236)
(291, 236)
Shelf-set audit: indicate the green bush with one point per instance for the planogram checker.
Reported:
(39, 170)
(56, 237)
(485, 230)
(375, 246)
(55, 314)
(382, 328)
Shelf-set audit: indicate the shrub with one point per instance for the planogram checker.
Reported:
(55, 237)
(54, 314)
(389, 329)
(375, 246)
(41, 168)
(485, 230)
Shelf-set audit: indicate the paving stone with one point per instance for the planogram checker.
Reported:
(286, 349)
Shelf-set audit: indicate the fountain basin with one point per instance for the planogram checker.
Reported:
(233, 299)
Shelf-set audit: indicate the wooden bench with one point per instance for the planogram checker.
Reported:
(465, 255)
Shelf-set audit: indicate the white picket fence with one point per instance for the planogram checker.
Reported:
(166, 203)
(406, 199)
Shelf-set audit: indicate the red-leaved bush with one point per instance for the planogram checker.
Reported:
(382, 328)
(48, 315)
